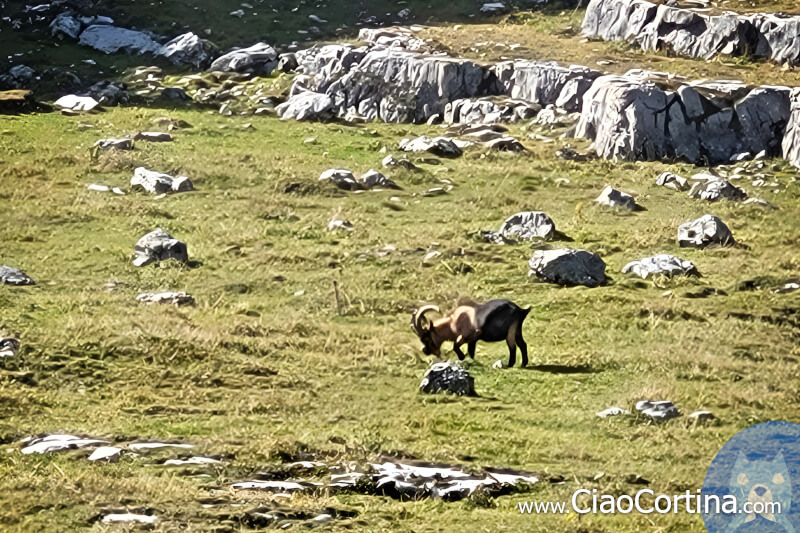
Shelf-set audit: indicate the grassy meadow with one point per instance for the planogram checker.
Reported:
(266, 367)
(270, 367)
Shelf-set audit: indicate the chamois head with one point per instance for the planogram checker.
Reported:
(421, 324)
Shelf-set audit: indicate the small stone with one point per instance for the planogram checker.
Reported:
(613, 411)
(441, 146)
(153, 136)
(158, 183)
(374, 179)
(431, 258)
(673, 181)
(614, 198)
(8, 347)
(108, 454)
(447, 377)
(159, 245)
(123, 143)
(14, 276)
(172, 298)
(343, 179)
(658, 411)
(702, 417)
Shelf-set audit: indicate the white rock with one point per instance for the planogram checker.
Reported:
(109, 454)
(57, 443)
(665, 264)
(613, 411)
(72, 102)
(127, 518)
(173, 298)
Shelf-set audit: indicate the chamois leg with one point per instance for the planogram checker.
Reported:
(471, 348)
(512, 345)
(523, 347)
(457, 349)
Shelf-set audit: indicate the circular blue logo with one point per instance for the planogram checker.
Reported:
(753, 483)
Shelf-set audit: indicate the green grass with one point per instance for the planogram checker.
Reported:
(266, 367)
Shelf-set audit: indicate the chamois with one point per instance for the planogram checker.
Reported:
(493, 321)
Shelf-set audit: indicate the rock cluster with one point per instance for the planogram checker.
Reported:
(693, 33)
(8, 346)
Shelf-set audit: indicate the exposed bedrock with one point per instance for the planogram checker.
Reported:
(647, 116)
(393, 84)
(692, 33)
(791, 139)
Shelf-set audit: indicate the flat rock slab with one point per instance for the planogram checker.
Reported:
(661, 264)
(659, 411)
(706, 231)
(172, 298)
(441, 146)
(129, 518)
(111, 39)
(569, 267)
(612, 197)
(14, 276)
(157, 246)
(59, 442)
(158, 183)
(447, 377)
(107, 454)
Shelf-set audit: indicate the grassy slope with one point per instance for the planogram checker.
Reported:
(256, 370)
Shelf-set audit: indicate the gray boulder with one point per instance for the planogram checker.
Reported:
(109, 93)
(527, 226)
(568, 267)
(307, 106)
(259, 59)
(441, 146)
(14, 276)
(111, 39)
(712, 189)
(157, 246)
(187, 49)
(65, 25)
(447, 377)
(158, 183)
(661, 264)
(658, 411)
(612, 197)
(705, 231)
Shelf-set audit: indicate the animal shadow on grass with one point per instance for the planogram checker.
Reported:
(564, 369)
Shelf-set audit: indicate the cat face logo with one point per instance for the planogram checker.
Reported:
(766, 486)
